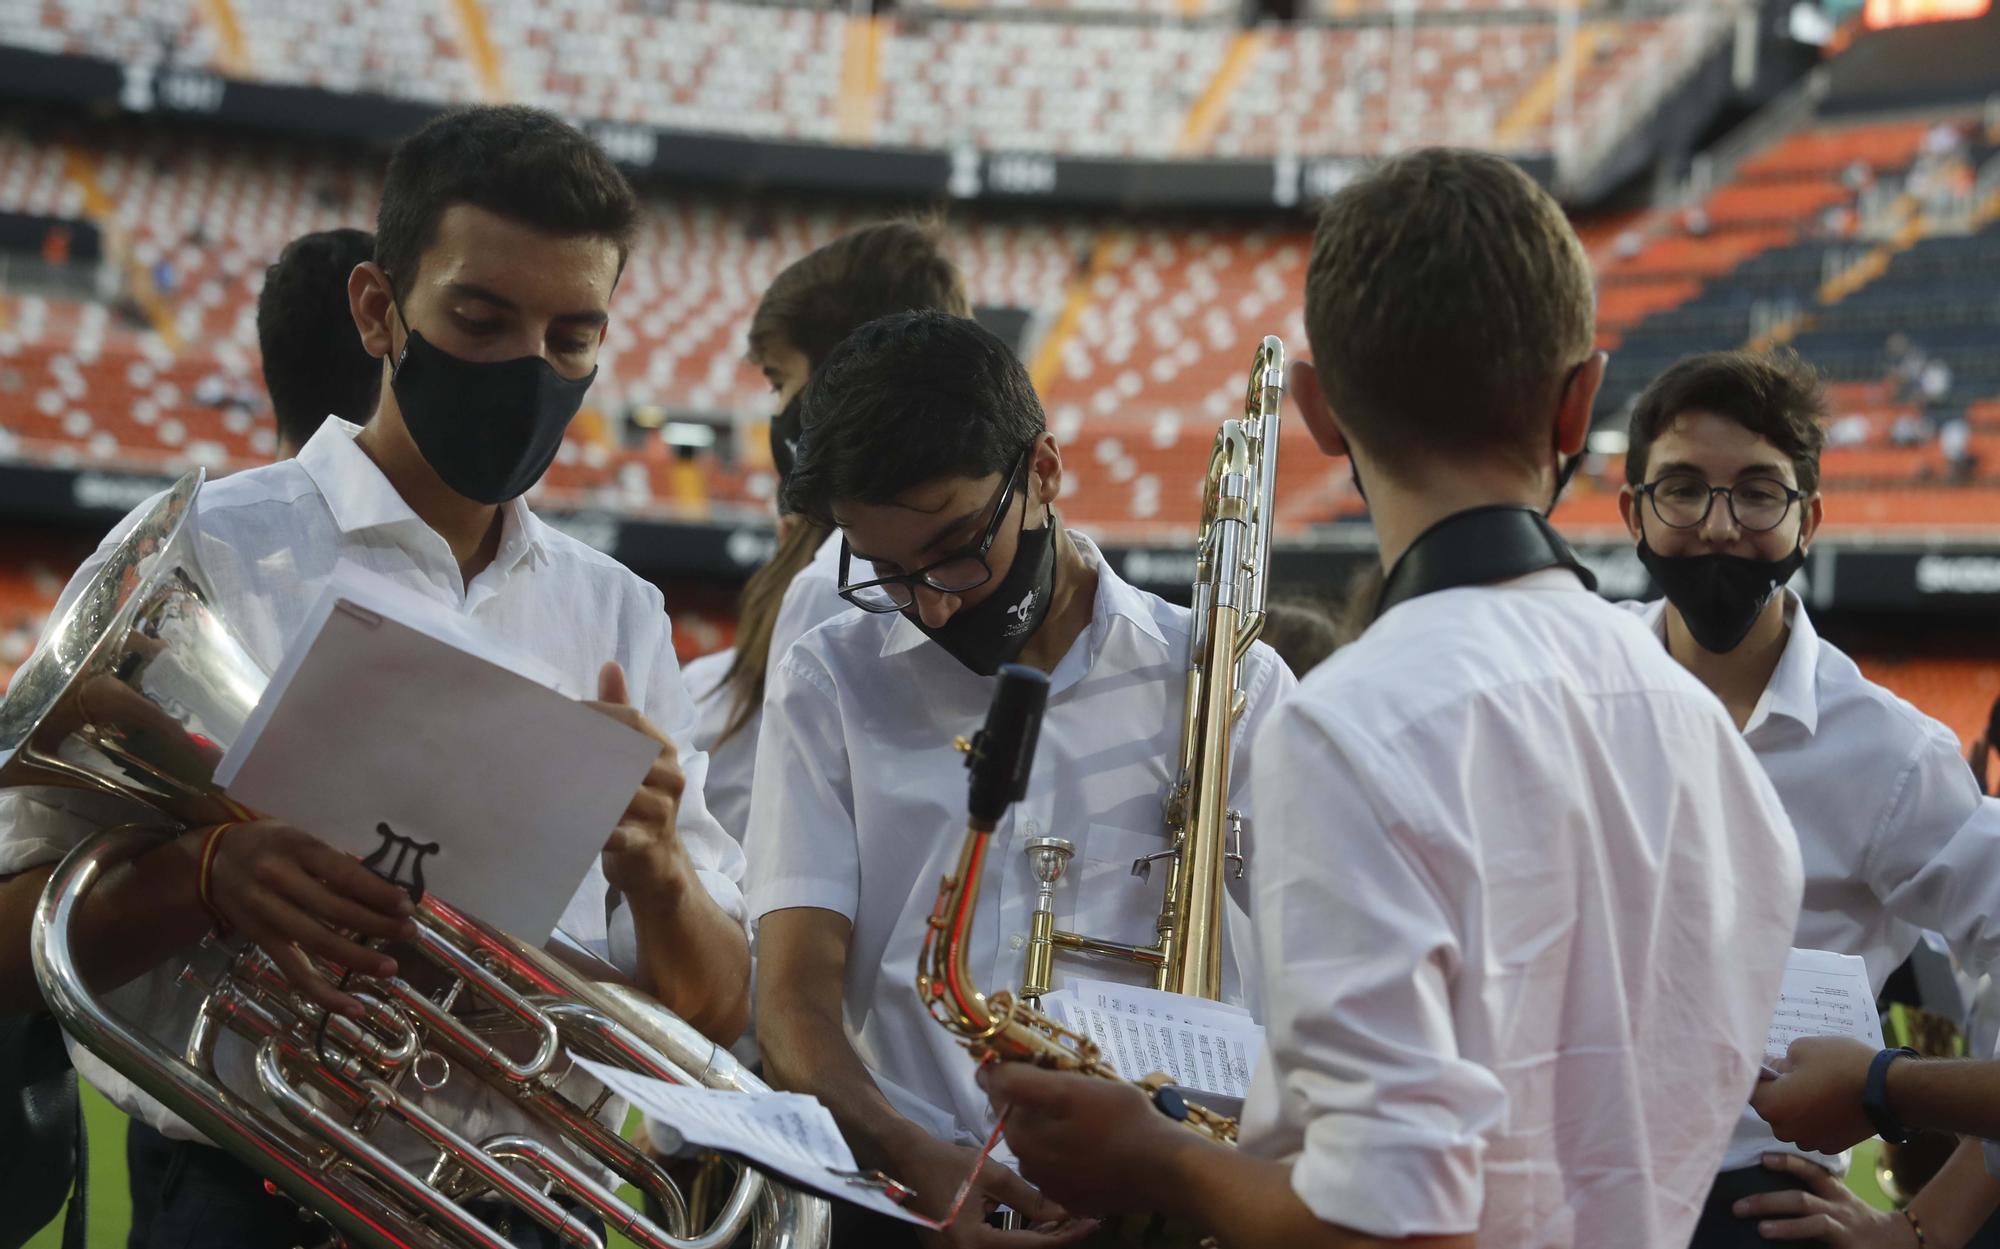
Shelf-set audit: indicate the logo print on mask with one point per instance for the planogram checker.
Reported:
(1021, 612)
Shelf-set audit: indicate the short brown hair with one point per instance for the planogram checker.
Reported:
(524, 164)
(1446, 303)
(891, 266)
(1775, 396)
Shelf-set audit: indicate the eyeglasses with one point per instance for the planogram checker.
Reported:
(962, 570)
(1757, 504)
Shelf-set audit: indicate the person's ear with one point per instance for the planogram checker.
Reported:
(1302, 384)
(1628, 511)
(370, 303)
(1578, 398)
(1045, 470)
(1813, 512)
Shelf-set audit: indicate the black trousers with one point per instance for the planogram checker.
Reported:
(1721, 1229)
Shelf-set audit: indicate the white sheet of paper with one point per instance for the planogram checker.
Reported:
(1196, 1043)
(792, 1134)
(389, 711)
(1823, 994)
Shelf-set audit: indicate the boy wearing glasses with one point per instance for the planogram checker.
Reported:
(1723, 499)
(925, 445)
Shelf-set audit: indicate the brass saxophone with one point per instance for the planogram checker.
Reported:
(1003, 1027)
(1232, 557)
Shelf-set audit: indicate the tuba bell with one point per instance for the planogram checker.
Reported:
(137, 693)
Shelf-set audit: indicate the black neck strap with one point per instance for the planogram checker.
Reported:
(1479, 546)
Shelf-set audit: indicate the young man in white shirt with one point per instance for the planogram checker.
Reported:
(501, 236)
(1516, 987)
(926, 446)
(1723, 498)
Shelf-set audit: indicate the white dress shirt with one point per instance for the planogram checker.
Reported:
(1523, 899)
(730, 762)
(1891, 825)
(269, 537)
(812, 599)
(861, 810)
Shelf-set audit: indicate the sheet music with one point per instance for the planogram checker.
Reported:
(1198, 1044)
(792, 1134)
(394, 728)
(1823, 994)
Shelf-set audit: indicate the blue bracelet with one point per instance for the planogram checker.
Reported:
(1875, 1096)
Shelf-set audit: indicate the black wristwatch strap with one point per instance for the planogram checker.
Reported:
(1875, 1096)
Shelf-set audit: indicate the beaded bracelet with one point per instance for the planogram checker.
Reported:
(209, 845)
(1916, 1229)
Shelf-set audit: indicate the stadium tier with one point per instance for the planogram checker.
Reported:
(1139, 331)
(1118, 78)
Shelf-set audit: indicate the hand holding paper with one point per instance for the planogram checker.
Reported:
(643, 850)
(1097, 1146)
(391, 724)
(1823, 1035)
(1815, 1103)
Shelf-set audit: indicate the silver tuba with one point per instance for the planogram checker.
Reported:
(137, 693)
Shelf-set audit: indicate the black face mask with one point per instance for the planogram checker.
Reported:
(488, 430)
(996, 630)
(1719, 596)
(786, 427)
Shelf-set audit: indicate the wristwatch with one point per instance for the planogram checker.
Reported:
(1875, 1096)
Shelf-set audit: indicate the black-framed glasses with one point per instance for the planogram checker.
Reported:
(962, 570)
(1757, 504)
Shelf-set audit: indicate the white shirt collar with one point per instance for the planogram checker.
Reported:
(1116, 598)
(1793, 690)
(361, 497)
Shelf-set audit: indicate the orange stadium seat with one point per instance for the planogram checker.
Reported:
(1958, 692)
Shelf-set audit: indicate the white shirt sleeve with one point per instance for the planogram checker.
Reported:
(1353, 901)
(810, 601)
(801, 839)
(1934, 859)
(717, 859)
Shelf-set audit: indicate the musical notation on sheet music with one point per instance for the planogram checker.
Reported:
(1823, 994)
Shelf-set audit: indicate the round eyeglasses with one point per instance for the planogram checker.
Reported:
(1756, 504)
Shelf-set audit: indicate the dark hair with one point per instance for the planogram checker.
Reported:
(1776, 397)
(889, 267)
(1446, 303)
(813, 303)
(314, 363)
(1302, 630)
(908, 399)
(522, 163)
(757, 607)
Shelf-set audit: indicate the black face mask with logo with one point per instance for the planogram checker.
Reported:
(997, 629)
(489, 430)
(1719, 597)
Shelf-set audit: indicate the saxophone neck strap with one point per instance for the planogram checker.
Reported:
(1479, 546)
